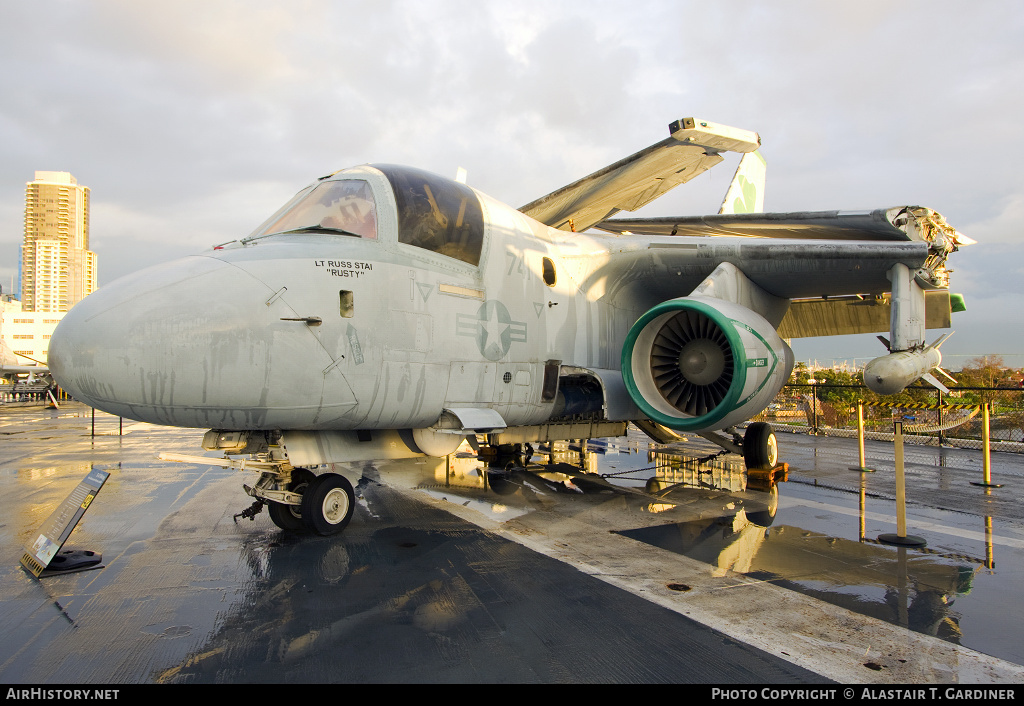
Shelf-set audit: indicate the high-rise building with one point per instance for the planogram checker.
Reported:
(57, 267)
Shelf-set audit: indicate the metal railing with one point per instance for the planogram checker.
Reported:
(929, 416)
(29, 392)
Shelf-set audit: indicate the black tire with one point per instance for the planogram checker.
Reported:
(289, 517)
(285, 516)
(500, 482)
(760, 448)
(327, 504)
(765, 518)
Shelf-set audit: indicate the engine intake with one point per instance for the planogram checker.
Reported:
(698, 363)
(692, 363)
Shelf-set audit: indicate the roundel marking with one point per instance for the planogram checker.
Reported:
(492, 328)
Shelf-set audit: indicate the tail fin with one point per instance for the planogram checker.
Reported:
(746, 192)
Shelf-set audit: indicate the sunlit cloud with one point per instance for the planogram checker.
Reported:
(191, 121)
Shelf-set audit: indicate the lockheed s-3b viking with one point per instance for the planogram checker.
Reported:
(386, 312)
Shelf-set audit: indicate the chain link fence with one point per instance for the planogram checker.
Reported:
(831, 409)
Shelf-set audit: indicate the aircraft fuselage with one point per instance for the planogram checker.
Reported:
(316, 330)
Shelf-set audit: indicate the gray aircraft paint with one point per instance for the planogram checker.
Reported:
(251, 335)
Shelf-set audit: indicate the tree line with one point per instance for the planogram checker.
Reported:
(983, 379)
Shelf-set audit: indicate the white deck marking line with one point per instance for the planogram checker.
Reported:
(826, 639)
(918, 524)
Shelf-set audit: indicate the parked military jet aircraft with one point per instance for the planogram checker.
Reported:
(30, 373)
(12, 370)
(386, 312)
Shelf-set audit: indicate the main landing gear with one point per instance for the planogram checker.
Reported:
(758, 445)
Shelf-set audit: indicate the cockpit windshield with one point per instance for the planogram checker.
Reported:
(338, 207)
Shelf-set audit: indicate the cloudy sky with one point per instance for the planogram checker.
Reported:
(192, 121)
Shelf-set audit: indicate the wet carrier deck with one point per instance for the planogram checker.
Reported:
(690, 577)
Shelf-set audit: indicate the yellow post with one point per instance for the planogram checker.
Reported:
(986, 448)
(860, 433)
(986, 443)
(901, 489)
(900, 538)
(860, 440)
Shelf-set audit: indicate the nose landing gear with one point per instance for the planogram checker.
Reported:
(289, 517)
(321, 504)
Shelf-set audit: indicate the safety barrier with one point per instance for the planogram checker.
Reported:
(37, 393)
(943, 420)
(901, 538)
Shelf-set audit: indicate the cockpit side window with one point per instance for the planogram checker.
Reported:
(342, 207)
(437, 214)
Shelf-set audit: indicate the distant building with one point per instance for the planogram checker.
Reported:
(57, 267)
(24, 335)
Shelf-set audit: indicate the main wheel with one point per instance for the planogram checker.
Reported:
(760, 448)
(289, 517)
(765, 517)
(501, 481)
(327, 504)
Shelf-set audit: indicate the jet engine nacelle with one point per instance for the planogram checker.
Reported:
(700, 363)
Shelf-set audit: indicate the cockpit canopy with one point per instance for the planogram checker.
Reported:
(434, 213)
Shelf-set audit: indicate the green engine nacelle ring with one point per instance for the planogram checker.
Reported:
(739, 362)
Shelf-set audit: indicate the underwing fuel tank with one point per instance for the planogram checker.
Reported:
(891, 373)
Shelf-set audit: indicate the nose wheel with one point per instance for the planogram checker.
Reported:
(289, 517)
(327, 504)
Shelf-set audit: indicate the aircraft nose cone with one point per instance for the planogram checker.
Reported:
(112, 350)
(61, 353)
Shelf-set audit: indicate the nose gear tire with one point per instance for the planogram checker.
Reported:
(289, 517)
(327, 504)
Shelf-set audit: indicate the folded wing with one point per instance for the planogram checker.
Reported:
(693, 147)
(878, 225)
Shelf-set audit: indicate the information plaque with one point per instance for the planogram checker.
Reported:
(43, 547)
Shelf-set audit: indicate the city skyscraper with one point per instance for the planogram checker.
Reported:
(57, 267)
